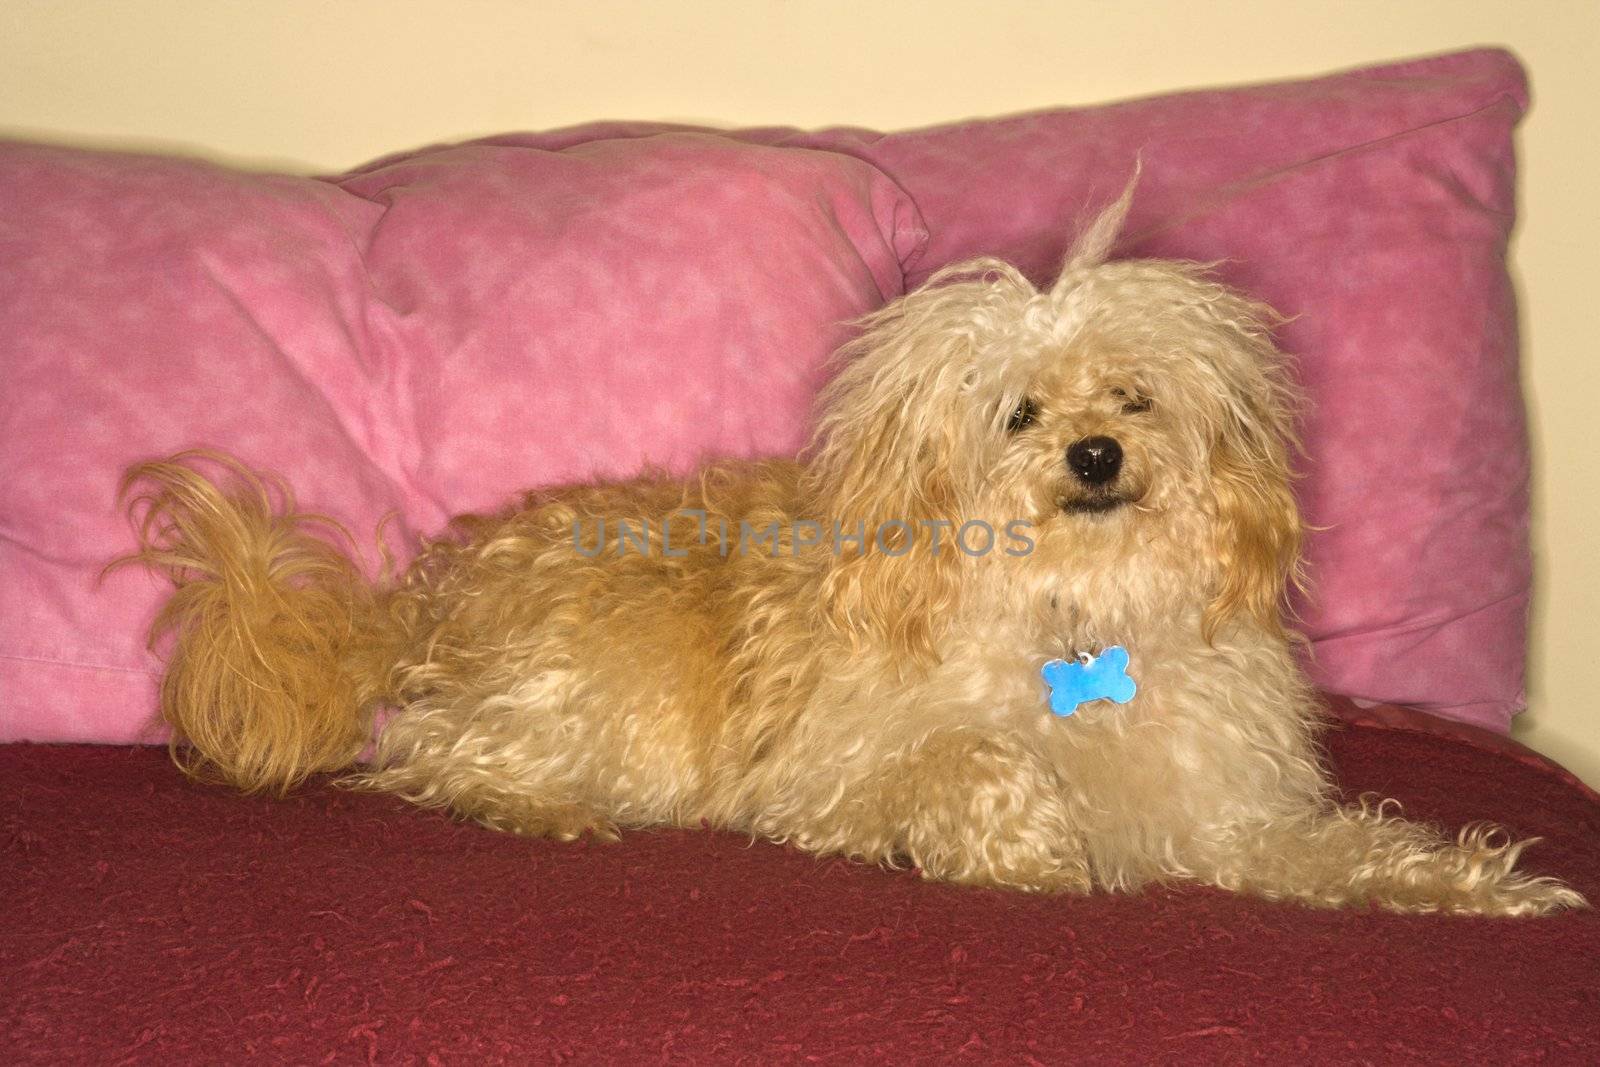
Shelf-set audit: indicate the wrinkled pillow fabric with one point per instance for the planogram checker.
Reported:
(432, 332)
(571, 315)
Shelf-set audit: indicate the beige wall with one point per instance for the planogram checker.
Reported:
(322, 85)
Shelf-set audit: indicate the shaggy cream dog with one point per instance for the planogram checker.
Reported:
(846, 653)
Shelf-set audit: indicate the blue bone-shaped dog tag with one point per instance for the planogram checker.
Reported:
(1075, 682)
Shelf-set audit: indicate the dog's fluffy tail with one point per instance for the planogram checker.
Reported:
(277, 652)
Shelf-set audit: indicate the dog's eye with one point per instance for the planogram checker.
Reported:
(1023, 416)
(1132, 403)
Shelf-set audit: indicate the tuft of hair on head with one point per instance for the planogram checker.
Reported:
(272, 674)
(1094, 244)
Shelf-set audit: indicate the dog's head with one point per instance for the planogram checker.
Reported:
(1124, 434)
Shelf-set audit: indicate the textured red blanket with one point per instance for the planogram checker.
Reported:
(145, 919)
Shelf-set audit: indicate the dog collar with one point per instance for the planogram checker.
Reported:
(1076, 682)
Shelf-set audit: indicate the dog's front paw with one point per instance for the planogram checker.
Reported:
(983, 812)
(560, 822)
(1365, 856)
(1478, 876)
(1027, 870)
(1528, 896)
(964, 806)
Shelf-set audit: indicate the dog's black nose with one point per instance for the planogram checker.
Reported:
(1095, 459)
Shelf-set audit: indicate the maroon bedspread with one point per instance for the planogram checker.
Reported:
(148, 920)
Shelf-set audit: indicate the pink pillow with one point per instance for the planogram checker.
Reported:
(1374, 208)
(439, 329)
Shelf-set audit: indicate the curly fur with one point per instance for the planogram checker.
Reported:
(885, 705)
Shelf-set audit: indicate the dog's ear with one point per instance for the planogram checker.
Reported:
(1258, 539)
(896, 461)
(1258, 526)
